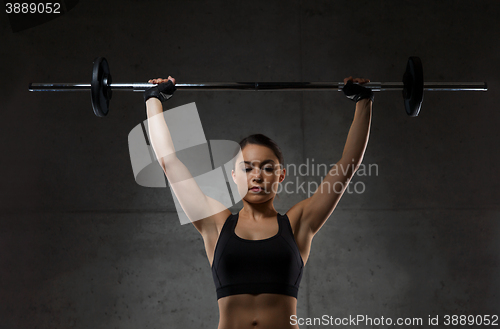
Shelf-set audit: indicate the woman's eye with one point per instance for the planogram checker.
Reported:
(267, 169)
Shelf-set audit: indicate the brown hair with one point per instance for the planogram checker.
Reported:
(263, 140)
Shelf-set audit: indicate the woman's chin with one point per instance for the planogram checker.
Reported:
(253, 197)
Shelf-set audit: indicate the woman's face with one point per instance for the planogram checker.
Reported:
(257, 173)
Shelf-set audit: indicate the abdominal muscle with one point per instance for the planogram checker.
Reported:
(248, 311)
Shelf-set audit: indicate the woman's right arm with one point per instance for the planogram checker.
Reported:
(204, 212)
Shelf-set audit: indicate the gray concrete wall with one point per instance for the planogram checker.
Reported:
(83, 246)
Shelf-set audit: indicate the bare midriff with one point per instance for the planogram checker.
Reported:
(246, 311)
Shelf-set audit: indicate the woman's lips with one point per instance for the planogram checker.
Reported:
(256, 189)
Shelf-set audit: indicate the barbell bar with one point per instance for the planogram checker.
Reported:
(255, 86)
(412, 86)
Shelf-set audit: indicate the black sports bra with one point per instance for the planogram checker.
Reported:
(273, 265)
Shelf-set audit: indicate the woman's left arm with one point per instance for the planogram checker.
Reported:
(315, 210)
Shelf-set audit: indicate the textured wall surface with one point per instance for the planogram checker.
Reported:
(82, 245)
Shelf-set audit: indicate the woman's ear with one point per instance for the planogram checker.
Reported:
(282, 175)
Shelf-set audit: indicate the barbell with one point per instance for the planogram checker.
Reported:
(413, 86)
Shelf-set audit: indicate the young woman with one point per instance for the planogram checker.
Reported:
(257, 255)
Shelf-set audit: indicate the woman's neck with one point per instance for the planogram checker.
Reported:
(258, 210)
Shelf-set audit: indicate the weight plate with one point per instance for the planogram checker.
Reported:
(100, 90)
(413, 89)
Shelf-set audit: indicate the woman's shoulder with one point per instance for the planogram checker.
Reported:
(294, 214)
(213, 224)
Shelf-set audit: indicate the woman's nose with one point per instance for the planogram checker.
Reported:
(256, 174)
